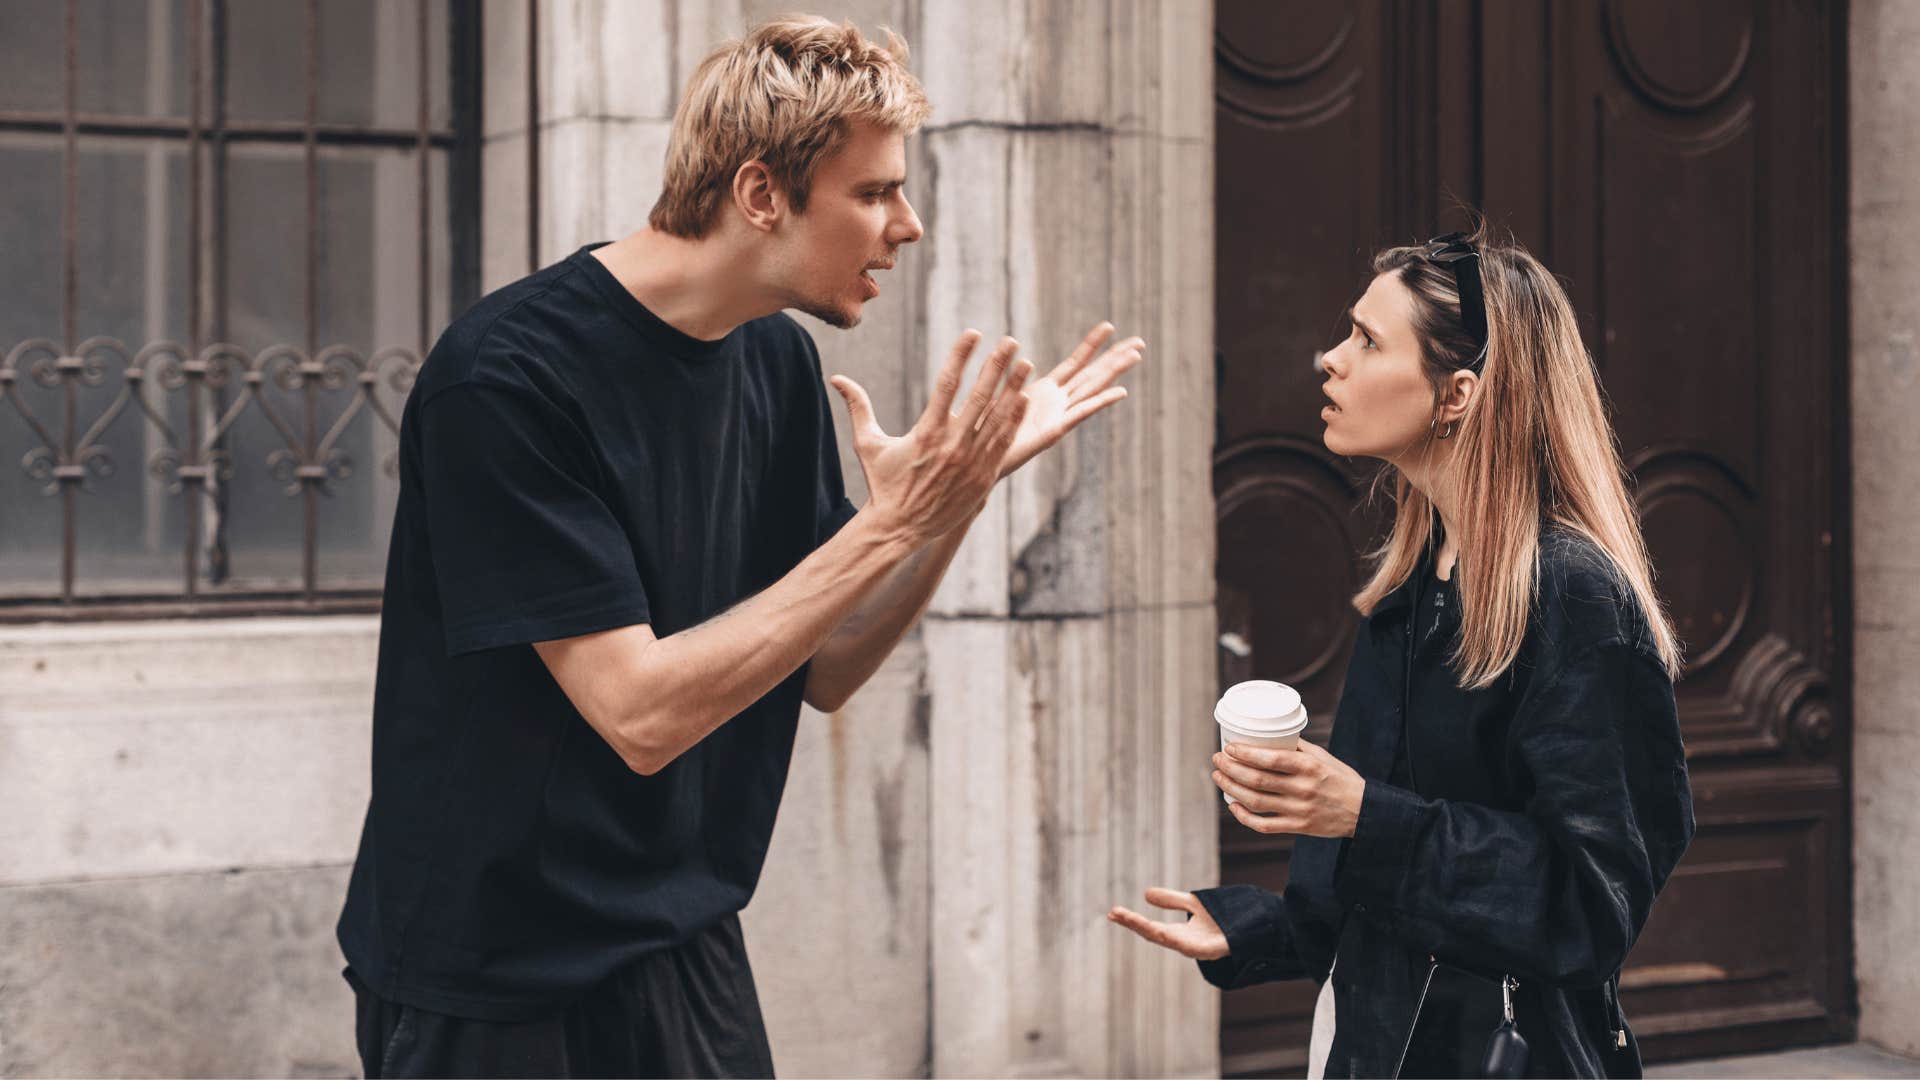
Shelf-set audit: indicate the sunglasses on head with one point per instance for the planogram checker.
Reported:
(1455, 252)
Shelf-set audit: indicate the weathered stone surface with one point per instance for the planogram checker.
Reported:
(146, 748)
(1167, 1020)
(838, 928)
(967, 286)
(1884, 142)
(1059, 284)
(503, 219)
(1161, 466)
(1059, 792)
(215, 974)
(1016, 61)
(1165, 39)
(1886, 905)
(607, 58)
(503, 44)
(598, 180)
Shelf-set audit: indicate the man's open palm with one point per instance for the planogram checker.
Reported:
(1073, 391)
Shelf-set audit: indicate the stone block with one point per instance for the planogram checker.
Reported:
(1061, 788)
(970, 686)
(503, 216)
(607, 59)
(965, 257)
(1012, 62)
(1883, 39)
(598, 180)
(699, 29)
(1164, 687)
(213, 974)
(148, 748)
(1059, 285)
(838, 928)
(503, 63)
(1885, 373)
(1160, 469)
(1019, 718)
(1886, 640)
(1886, 900)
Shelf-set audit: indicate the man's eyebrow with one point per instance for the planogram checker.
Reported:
(886, 183)
(1354, 318)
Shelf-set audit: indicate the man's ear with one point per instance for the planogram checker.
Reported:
(760, 201)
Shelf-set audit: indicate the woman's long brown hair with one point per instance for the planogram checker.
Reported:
(1534, 447)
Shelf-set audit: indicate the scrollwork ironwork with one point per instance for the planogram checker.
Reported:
(165, 380)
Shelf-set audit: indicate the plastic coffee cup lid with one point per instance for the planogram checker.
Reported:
(1259, 703)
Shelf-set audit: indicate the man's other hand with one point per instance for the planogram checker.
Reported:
(1076, 389)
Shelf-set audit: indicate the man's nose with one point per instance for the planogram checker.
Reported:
(906, 229)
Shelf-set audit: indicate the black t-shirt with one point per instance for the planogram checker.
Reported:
(570, 463)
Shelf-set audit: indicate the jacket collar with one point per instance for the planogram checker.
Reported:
(1402, 595)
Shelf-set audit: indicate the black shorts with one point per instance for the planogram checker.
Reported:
(690, 1010)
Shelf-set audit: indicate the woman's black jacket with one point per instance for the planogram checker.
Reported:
(1550, 809)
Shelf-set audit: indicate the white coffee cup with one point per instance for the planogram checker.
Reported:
(1261, 713)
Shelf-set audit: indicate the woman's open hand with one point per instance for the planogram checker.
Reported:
(1303, 790)
(1199, 937)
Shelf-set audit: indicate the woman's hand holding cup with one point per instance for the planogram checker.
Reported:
(1302, 789)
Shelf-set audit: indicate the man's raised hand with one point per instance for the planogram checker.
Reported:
(1076, 389)
(938, 474)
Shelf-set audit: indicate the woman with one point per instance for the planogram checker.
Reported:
(1505, 790)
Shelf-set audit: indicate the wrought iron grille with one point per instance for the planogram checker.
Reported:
(252, 449)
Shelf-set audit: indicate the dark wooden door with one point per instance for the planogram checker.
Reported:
(1679, 165)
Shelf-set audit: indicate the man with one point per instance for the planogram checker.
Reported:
(621, 560)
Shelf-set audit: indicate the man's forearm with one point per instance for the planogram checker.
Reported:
(674, 691)
(863, 642)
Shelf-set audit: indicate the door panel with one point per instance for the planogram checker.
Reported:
(1677, 166)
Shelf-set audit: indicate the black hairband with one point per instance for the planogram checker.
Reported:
(1457, 253)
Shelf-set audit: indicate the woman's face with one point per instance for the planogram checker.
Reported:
(1383, 404)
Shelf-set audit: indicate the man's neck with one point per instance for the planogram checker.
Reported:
(698, 287)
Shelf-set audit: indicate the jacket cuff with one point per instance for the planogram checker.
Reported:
(1254, 921)
(1375, 861)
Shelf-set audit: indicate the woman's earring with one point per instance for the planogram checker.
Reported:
(1447, 434)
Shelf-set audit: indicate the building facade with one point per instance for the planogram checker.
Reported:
(189, 550)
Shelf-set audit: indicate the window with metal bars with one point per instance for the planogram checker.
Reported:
(231, 230)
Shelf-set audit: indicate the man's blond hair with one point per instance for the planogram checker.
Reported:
(785, 95)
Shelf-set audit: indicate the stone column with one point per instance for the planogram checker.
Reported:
(609, 75)
(1885, 244)
(1069, 178)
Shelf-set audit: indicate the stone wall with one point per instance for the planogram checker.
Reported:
(1885, 246)
(179, 802)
